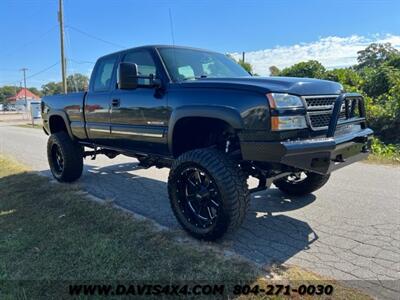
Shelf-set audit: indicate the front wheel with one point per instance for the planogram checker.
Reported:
(301, 183)
(65, 157)
(208, 193)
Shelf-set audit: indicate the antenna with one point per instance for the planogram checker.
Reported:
(171, 27)
(172, 36)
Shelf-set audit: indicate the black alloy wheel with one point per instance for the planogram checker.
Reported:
(208, 193)
(65, 157)
(57, 158)
(199, 198)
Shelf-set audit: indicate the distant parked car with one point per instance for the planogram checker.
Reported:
(1, 107)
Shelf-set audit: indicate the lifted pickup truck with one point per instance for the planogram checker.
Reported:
(203, 116)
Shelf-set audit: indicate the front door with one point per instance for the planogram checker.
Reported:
(97, 102)
(139, 118)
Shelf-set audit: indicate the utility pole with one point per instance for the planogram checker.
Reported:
(243, 56)
(24, 71)
(63, 61)
(26, 101)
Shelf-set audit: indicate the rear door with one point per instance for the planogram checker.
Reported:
(98, 100)
(139, 117)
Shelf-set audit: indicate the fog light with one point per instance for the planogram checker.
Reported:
(288, 122)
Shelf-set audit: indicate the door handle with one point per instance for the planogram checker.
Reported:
(115, 102)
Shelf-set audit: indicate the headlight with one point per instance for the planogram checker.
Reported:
(278, 100)
(288, 122)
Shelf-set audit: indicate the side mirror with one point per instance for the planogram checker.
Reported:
(155, 82)
(127, 76)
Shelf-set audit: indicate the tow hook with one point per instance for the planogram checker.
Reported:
(365, 149)
(339, 159)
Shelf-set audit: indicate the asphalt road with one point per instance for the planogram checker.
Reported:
(349, 230)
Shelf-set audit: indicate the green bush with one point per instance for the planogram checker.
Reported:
(389, 152)
(376, 77)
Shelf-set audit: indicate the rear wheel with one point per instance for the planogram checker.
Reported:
(208, 193)
(301, 183)
(65, 157)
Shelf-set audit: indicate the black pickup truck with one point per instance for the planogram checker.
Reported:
(203, 116)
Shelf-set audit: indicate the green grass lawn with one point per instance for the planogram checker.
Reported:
(50, 232)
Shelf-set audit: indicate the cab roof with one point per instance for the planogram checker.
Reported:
(155, 47)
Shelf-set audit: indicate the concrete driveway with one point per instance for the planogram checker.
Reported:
(349, 230)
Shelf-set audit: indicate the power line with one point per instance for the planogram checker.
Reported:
(11, 83)
(68, 47)
(43, 70)
(81, 62)
(9, 70)
(95, 37)
(31, 76)
(22, 46)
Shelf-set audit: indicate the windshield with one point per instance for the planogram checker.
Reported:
(188, 64)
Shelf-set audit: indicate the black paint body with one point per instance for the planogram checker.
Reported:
(142, 121)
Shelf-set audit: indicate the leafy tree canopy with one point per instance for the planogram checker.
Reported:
(274, 71)
(9, 91)
(375, 54)
(376, 77)
(75, 83)
(310, 69)
(247, 66)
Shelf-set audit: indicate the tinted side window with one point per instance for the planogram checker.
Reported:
(145, 63)
(103, 76)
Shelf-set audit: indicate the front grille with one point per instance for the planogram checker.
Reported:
(320, 102)
(320, 120)
(319, 110)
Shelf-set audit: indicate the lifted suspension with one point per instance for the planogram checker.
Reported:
(93, 153)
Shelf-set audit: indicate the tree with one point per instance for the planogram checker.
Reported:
(52, 88)
(6, 92)
(35, 91)
(274, 71)
(75, 83)
(378, 81)
(383, 115)
(349, 78)
(247, 66)
(394, 61)
(376, 77)
(310, 69)
(9, 91)
(375, 54)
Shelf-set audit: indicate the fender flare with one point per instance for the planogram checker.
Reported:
(67, 123)
(223, 113)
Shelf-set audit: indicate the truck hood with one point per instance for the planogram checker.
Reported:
(290, 85)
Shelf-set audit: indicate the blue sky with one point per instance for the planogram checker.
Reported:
(272, 32)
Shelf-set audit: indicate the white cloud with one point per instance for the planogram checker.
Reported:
(332, 52)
